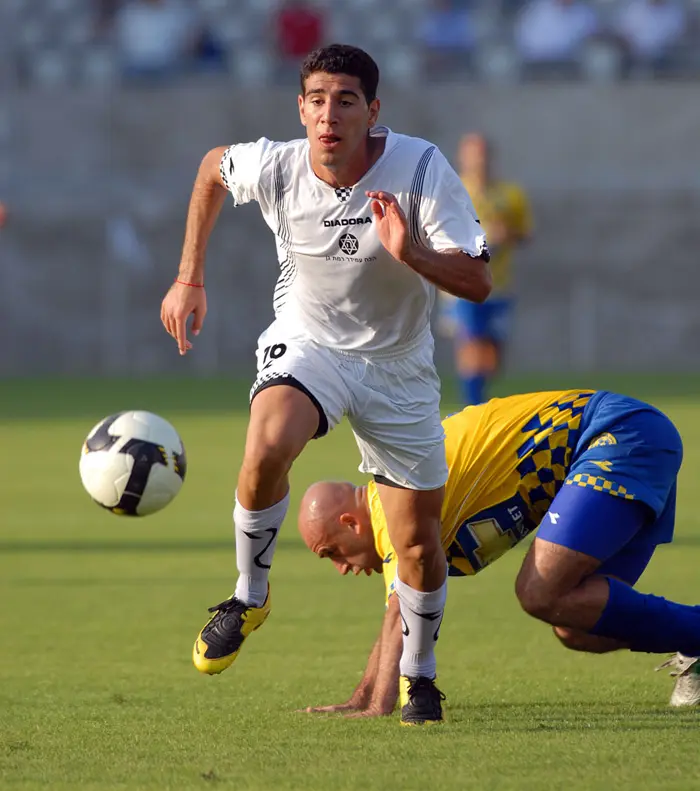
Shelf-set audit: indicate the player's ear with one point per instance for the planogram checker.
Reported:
(373, 112)
(302, 113)
(348, 520)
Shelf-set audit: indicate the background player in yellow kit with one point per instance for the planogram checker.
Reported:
(595, 471)
(480, 331)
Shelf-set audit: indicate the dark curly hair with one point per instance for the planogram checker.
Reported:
(343, 59)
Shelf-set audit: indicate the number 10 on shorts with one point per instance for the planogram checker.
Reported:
(272, 353)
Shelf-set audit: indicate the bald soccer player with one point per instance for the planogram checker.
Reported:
(594, 471)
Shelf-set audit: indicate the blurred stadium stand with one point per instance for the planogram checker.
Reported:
(96, 173)
(58, 42)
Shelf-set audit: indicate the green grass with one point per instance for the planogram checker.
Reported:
(98, 616)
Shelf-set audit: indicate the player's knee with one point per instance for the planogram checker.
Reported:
(570, 638)
(536, 600)
(269, 454)
(265, 458)
(421, 551)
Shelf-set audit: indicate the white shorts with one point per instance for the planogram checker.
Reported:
(392, 402)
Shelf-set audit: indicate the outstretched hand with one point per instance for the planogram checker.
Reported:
(391, 224)
(180, 303)
(367, 713)
(332, 709)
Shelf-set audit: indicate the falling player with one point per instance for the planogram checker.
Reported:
(595, 471)
(367, 223)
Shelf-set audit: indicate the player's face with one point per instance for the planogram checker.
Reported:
(337, 117)
(473, 153)
(351, 551)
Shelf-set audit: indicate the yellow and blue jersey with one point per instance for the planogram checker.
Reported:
(501, 203)
(509, 457)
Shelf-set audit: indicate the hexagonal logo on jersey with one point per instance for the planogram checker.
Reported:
(348, 244)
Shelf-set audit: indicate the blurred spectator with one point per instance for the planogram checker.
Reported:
(3, 215)
(157, 38)
(480, 331)
(299, 29)
(447, 37)
(650, 29)
(551, 32)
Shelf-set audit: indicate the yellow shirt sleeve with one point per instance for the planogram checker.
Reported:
(389, 573)
(381, 539)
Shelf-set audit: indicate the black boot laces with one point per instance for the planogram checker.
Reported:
(422, 683)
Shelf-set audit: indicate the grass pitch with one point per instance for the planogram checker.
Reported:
(99, 613)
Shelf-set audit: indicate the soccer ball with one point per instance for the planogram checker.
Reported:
(133, 463)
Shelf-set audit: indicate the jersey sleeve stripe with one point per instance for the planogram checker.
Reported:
(225, 162)
(416, 194)
(284, 234)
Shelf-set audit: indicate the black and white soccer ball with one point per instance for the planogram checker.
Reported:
(133, 463)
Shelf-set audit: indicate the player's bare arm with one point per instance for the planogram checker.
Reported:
(378, 691)
(362, 695)
(453, 271)
(187, 296)
(386, 684)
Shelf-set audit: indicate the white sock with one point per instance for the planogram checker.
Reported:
(421, 615)
(256, 537)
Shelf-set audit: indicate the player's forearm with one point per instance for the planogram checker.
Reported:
(453, 271)
(208, 196)
(362, 695)
(386, 686)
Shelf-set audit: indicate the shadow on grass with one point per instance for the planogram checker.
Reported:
(19, 547)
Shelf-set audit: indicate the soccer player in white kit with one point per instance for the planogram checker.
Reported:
(367, 224)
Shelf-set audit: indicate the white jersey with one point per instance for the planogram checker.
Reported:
(338, 284)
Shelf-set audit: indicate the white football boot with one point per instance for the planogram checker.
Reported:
(686, 670)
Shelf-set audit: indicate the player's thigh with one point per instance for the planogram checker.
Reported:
(582, 529)
(395, 417)
(282, 420)
(584, 532)
(593, 522)
(412, 517)
(287, 361)
(549, 571)
(636, 454)
(475, 356)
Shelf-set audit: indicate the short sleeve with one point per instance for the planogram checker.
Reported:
(389, 573)
(241, 169)
(447, 213)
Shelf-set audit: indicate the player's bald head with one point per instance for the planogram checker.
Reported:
(321, 507)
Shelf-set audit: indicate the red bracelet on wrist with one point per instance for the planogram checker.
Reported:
(191, 285)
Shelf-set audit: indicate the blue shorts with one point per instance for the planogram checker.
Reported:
(487, 321)
(618, 501)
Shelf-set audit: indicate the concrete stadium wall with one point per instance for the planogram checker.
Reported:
(97, 186)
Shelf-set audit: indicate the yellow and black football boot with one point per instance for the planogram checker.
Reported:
(421, 701)
(220, 641)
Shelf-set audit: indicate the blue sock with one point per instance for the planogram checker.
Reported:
(472, 389)
(649, 623)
